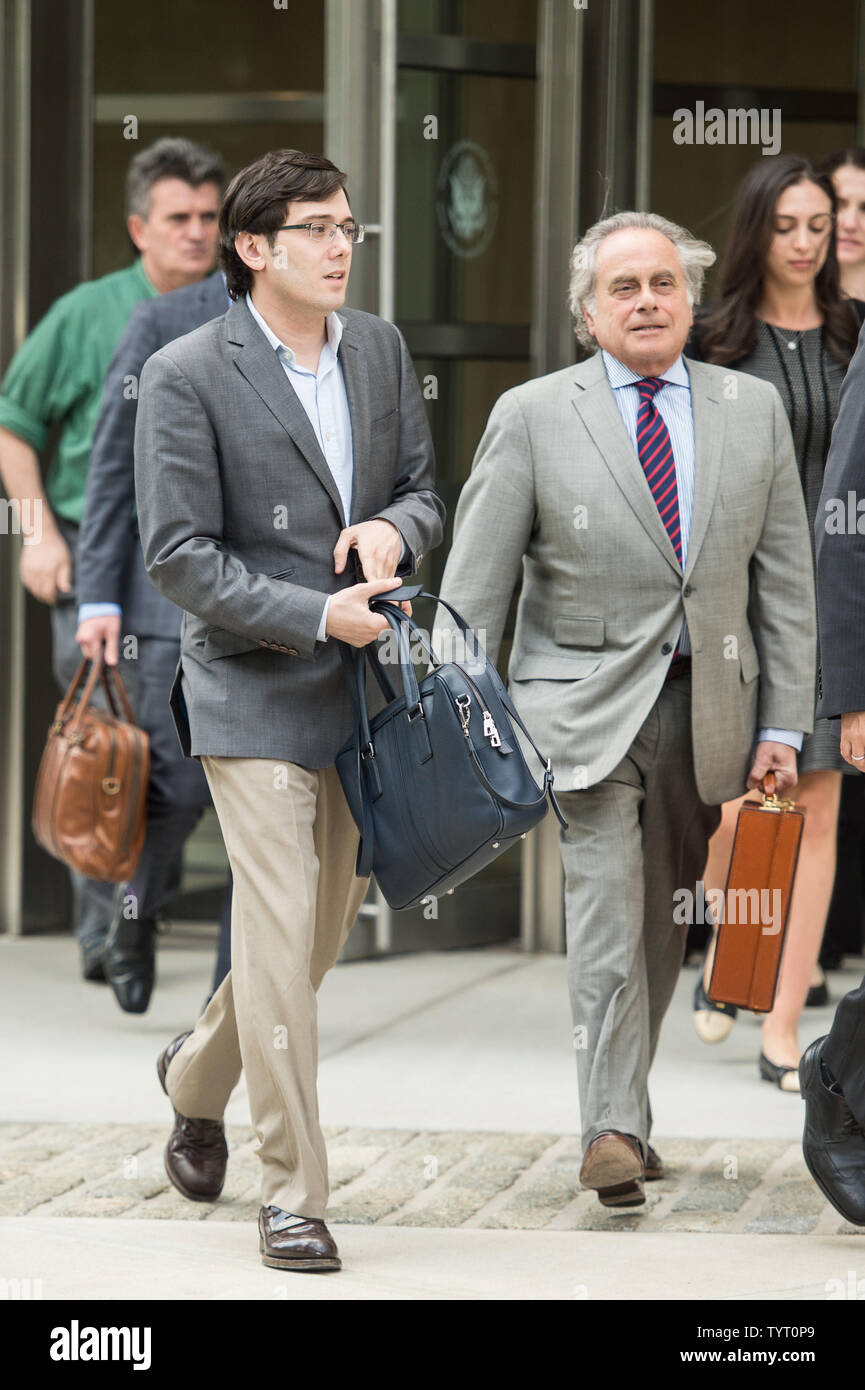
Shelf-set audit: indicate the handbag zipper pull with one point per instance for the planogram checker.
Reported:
(464, 711)
(490, 730)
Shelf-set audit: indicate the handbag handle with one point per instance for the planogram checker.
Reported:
(112, 684)
(396, 616)
(401, 624)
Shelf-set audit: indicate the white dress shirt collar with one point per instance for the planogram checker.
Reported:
(333, 325)
(620, 375)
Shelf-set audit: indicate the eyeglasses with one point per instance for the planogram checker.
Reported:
(318, 231)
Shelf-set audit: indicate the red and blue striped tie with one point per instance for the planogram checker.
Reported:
(655, 452)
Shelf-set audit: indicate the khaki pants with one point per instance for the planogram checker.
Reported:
(291, 843)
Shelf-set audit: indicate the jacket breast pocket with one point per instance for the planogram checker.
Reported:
(284, 574)
(746, 498)
(384, 423)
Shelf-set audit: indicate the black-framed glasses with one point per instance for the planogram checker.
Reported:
(318, 231)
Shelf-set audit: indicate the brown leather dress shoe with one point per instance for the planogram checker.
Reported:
(287, 1241)
(196, 1154)
(654, 1165)
(613, 1166)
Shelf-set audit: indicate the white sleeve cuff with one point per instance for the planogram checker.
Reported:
(321, 635)
(98, 610)
(790, 736)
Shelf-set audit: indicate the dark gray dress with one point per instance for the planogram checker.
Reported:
(808, 378)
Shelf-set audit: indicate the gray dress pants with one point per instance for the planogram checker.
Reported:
(633, 840)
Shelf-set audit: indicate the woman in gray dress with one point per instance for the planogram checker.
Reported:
(781, 315)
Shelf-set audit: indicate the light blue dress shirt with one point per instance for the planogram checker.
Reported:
(323, 396)
(673, 403)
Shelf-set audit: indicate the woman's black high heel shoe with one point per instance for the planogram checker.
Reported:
(713, 1022)
(785, 1078)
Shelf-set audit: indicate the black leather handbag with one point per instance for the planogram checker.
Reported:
(436, 782)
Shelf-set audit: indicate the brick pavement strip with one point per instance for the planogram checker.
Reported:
(420, 1178)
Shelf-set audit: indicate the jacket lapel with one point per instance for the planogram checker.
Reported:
(709, 423)
(257, 361)
(595, 403)
(356, 377)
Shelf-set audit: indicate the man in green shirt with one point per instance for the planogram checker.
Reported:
(173, 191)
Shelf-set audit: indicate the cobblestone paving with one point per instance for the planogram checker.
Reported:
(410, 1178)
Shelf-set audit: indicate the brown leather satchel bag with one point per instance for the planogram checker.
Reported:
(89, 807)
(757, 901)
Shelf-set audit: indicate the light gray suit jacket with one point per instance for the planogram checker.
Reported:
(239, 515)
(603, 597)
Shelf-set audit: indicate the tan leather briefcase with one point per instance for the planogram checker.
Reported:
(89, 807)
(757, 901)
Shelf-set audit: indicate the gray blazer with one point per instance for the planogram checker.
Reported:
(239, 515)
(839, 529)
(110, 564)
(603, 598)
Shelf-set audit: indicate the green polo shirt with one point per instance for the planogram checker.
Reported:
(58, 373)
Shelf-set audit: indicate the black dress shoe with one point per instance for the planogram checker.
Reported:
(833, 1142)
(130, 962)
(196, 1155)
(287, 1241)
(93, 960)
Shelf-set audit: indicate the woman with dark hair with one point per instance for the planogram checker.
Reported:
(781, 315)
(846, 168)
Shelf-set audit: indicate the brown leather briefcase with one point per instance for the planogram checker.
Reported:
(757, 901)
(89, 807)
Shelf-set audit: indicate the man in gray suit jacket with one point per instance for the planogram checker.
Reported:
(284, 476)
(665, 625)
(115, 595)
(832, 1069)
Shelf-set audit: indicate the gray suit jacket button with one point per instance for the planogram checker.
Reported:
(666, 649)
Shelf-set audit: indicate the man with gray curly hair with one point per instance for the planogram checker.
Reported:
(695, 258)
(664, 643)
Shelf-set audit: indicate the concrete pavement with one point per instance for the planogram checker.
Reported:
(449, 1097)
(95, 1259)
